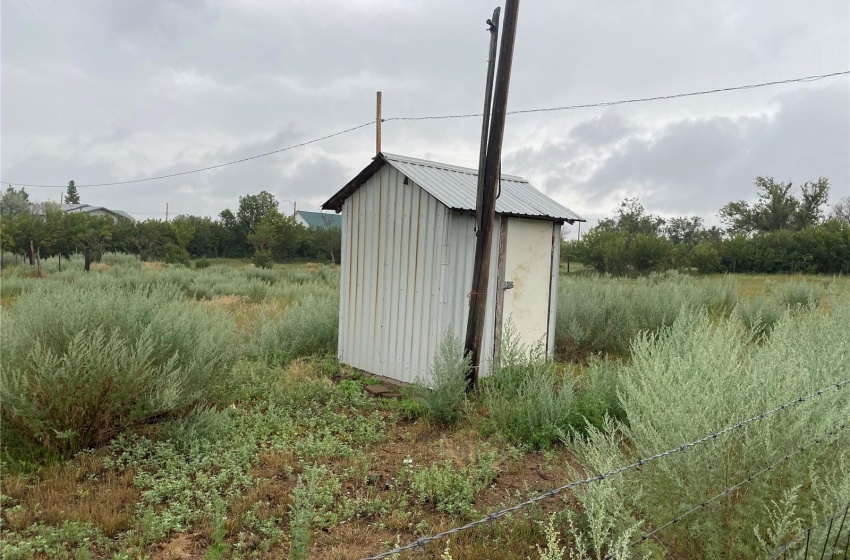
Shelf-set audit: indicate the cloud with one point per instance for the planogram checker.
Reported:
(104, 91)
(695, 166)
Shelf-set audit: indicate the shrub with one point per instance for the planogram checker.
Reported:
(75, 261)
(604, 314)
(201, 264)
(705, 258)
(175, 254)
(264, 274)
(759, 314)
(263, 259)
(649, 252)
(80, 363)
(802, 294)
(444, 394)
(528, 404)
(122, 259)
(451, 489)
(596, 397)
(307, 328)
(700, 376)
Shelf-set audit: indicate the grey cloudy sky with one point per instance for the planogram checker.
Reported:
(105, 90)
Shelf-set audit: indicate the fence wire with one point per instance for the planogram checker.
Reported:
(817, 441)
(603, 476)
(806, 536)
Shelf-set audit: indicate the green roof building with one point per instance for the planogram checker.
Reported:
(319, 220)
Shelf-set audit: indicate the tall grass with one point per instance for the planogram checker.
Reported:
(701, 376)
(82, 362)
(122, 259)
(306, 328)
(604, 314)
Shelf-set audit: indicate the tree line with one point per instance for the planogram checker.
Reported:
(782, 232)
(257, 230)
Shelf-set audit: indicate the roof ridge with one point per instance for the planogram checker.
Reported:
(445, 166)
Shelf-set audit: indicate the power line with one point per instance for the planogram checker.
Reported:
(433, 117)
(640, 462)
(637, 100)
(730, 489)
(157, 177)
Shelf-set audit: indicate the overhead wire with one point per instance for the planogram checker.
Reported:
(434, 117)
(208, 168)
(813, 78)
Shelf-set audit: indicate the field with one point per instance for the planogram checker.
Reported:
(153, 411)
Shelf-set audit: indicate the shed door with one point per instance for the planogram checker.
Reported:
(527, 263)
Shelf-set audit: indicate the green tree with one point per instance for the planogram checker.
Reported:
(705, 258)
(814, 196)
(841, 210)
(151, 237)
(632, 219)
(14, 202)
(328, 241)
(648, 252)
(686, 231)
(279, 235)
(777, 208)
(183, 231)
(253, 208)
(71, 195)
(210, 236)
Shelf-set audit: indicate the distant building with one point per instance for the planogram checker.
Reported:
(408, 246)
(319, 220)
(40, 209)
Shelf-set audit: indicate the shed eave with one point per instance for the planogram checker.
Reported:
(335, 202)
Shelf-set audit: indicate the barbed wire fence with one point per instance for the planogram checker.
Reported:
(809, 536)
(729, 490)
(422, 541)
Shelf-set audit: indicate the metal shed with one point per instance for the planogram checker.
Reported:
(408, 241)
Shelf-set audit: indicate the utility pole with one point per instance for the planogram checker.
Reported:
(378, 125)
(166, 211)
(485, 125)
(487, 208)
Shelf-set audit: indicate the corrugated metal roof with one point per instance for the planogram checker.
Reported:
(321, 220)
(456, 187)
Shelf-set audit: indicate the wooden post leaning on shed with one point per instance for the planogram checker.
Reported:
(378, 121)
(484, 237)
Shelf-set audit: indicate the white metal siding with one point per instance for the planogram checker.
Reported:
(392, 269)
(406, 271)
(457, 282)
